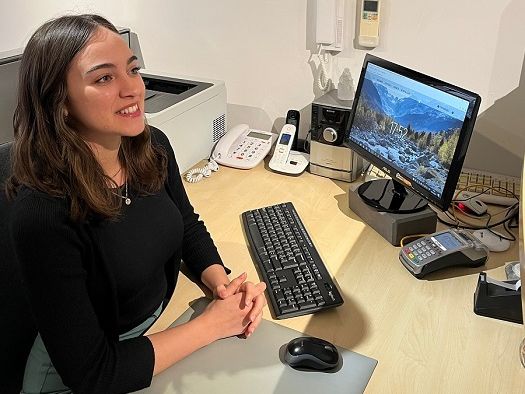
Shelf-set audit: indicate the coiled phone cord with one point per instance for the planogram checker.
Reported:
(323, 81)
(197, 174)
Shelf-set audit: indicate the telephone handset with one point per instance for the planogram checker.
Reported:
(284, 159)
(329, 29)
(243, 147)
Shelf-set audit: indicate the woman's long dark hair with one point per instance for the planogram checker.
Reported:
(48, 153)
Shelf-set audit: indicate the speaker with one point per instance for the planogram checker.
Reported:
(328, 156)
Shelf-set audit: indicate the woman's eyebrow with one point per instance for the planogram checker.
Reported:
(109, 65)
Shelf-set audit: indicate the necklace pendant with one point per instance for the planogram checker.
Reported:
(127, 201)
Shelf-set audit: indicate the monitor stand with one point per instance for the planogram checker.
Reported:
(388, 195)
(393, 226)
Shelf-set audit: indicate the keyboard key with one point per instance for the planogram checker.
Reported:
(278, 295)
(289, 308)
(307, 305)
(290, 263)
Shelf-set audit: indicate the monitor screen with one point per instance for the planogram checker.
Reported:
(415, 128)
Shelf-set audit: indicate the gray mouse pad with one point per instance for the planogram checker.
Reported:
(235, 365)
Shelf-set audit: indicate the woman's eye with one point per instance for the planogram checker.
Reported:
(105, 78)
(135, 70)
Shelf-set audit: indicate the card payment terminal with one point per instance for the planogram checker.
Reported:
(443, 249)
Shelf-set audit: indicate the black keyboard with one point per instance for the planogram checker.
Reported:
(296, 277)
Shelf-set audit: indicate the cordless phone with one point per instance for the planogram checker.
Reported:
(293, 117)
(284, 146)
(284, 159)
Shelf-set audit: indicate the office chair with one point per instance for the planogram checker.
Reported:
(17, 327)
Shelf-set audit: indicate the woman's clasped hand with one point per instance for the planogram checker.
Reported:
(237, 307)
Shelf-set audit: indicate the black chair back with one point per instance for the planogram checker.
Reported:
(17, 328)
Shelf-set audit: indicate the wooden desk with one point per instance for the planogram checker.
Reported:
(424, 333)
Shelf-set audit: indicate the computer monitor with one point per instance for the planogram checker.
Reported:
(415, 128)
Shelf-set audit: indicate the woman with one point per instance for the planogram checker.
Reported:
(101, 221)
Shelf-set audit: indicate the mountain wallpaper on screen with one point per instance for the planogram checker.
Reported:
(416, 139)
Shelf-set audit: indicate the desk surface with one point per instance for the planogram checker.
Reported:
(424, 333)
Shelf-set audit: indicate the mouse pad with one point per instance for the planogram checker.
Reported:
(235, 365)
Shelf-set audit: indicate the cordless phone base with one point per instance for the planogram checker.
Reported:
(295, 165)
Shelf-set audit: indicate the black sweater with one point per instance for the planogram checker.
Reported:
(73, 290)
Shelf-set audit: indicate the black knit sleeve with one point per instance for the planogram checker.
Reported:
(52, 257)
(199, 250)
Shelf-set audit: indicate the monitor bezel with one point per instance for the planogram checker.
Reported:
(461, 148)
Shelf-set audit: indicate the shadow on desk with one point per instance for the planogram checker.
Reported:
(456, 272)
(347, 321)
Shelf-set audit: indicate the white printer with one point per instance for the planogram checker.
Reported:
(190, 111)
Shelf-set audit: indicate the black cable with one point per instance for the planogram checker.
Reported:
(513, 237)
(306, 142)
(364, 171)
(470, 227)
(462, 224)
(213, 147)
(488, 221)
(487, 188)
(502, 236)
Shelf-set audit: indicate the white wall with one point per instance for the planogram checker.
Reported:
(19, 18)
(265, 52)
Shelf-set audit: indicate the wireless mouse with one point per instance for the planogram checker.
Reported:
(310, 353)
(473, 205)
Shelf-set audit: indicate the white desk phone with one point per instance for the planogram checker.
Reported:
(244, 148)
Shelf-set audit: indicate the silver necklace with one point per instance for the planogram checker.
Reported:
(125, 197)
(127, 200)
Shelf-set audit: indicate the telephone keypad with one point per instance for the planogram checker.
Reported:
(249, 149)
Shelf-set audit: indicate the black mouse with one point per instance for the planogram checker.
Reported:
(311, 353)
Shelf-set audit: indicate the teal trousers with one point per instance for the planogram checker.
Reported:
(40, 375)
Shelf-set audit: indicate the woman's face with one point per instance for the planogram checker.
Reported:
(105, 92)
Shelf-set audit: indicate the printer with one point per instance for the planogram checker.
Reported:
(190, 111)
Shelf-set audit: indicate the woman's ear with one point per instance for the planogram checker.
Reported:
(65, 110)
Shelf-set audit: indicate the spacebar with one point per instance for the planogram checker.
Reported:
(289, 309)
